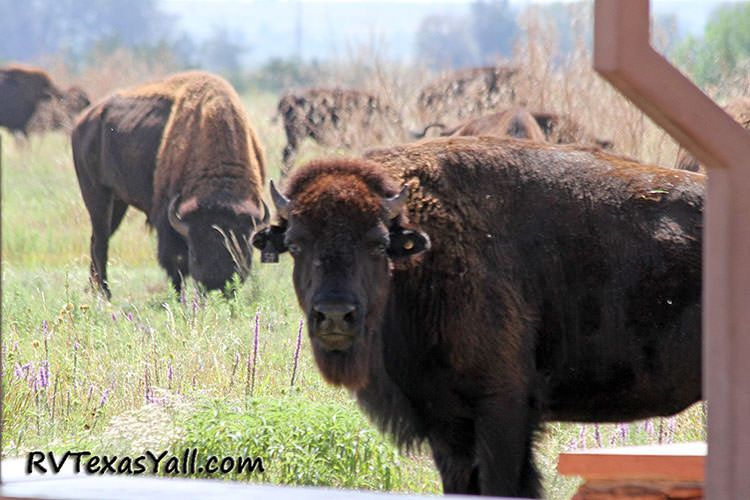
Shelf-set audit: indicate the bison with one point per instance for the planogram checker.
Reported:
(560, 128)
(61, 113)
(739, 109)
(507, 283)
(334, 116)
(25, 90)
(514, 122)
(182, 151)
(467, 93)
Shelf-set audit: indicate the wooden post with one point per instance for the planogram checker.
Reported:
(623, 55)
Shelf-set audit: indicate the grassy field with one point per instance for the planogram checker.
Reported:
(154, 371)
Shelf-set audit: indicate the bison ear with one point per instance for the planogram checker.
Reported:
(270, 242)
(407, 242)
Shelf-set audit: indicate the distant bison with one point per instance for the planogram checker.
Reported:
(560, 128)
(514, 122)
(24, 91)
(182, 151)
(335, 116)
(61, 113)
(466, 93)
(739, 109)
(507, 283)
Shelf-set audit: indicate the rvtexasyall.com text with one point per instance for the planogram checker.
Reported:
(149, 463)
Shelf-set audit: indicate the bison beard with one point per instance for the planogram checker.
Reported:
(562, 284)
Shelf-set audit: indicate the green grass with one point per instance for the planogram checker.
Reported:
(147, 371)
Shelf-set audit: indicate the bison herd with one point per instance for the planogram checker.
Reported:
(466, 288)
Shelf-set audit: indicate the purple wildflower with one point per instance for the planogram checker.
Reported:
(296, 351)
(45, 328)
(582, 437)
(114, 317)
(129, 316)
(91, 393)
(104, 398)
(44, 375)
(252, 360)
(195, 303)
(648, 426)
(170, 374)
(18, 371)
(623, 428)
(35, 384)
(597, 436)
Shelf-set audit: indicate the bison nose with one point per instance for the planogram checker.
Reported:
(334, 324)
(337, 316)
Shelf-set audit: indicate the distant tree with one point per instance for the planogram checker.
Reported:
(32, 29)
(445, 42)
(494, 28)
(222, 51)
(724, 50)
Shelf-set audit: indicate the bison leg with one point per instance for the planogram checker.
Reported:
(99, 204)
(119, 208)
(172, 252)
(456, 465)
(504, 435)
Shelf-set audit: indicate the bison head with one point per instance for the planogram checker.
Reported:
(346, 237)
(217, 238)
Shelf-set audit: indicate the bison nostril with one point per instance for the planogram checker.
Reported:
(318, 317)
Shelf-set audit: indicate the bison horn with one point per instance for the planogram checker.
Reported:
(175, 220)
(394, 204)
(266, 212)
(280, 201)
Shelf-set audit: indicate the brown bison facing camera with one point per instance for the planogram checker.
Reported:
(506, 284)
(334, 117)
(739, 109)
(25, 91)
(182, 151)
(514, 122)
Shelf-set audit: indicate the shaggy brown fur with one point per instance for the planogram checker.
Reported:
(739, 109)
(208, 146)
(186, 136)
(562, 284)
(466, 93)
(22, 90)
(514, 122)
(341, 117)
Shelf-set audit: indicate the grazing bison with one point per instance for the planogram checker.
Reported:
(61, 113)
(466, 93)
(739, 109)
(563, 129)
(26, 91)
(514, 122)
(182, 151)
(544, 291)
(334, 117)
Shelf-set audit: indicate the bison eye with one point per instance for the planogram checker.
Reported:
(294, 249)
